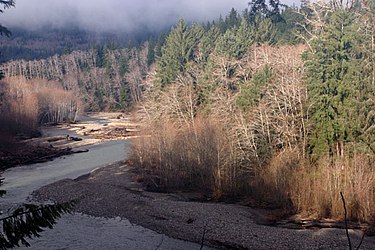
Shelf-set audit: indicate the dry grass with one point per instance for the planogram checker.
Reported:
(317, 189)
(25, 104)
(200, 157)
(203, 158)
(258, 153)
(181, 158)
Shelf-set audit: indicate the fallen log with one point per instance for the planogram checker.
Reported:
(80, 151)
(75, 138)
(66, 151)
(56, 138)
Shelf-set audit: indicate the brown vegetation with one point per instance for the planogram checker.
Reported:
(103, 79)
(257, 153)
(26, 104)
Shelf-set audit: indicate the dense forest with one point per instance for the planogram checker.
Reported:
(41, 43)
(273, 105)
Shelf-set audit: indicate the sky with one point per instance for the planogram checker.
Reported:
(115, 15)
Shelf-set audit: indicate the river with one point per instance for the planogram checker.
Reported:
(79, 231)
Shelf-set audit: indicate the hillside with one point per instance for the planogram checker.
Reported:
(272, 107)
(24, 44)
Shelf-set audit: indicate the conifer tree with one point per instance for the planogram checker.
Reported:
(5, 4)
(366, 88)
(331, 78)
(233, 19)
(264, 31)
(236, 41)
(208, 41)
(178, 51)
(27, 220)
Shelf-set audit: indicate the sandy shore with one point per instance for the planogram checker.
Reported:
(112, 191)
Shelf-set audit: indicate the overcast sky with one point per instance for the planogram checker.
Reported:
(115, 15)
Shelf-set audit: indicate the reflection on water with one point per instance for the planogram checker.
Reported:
(79, 231)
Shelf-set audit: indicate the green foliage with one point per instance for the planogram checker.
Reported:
(151, 51)
(5, 4)
(232, 20)
(262, 9)
(366, 82)
(251, 92)
(100, 56)
(124, 67)
(236, 41)
(178, 51)
(332, 73)
(287, 31)
(124, 97)
(264, 31)
(28, 221)
(208, 42)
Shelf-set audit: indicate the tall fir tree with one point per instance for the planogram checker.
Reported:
(332, 72)
(177, 51)
(235, 41)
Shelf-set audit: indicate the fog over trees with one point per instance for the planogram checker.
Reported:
(117, 15)
(272, 104)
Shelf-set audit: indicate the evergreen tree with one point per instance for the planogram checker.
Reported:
(366, 88)
(151, 51)
(5, 4)
(178, 51)
(250, 94)
(287, 31)
(233, 19)
(28, 220)
(260, 9)
(236, 41)
(100, 56)
(208, 41)
(332, 69)
(264, 31)
(221, 24)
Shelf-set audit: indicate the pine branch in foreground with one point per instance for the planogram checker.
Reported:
(28, 221)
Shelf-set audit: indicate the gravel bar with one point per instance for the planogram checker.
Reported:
(111, 192)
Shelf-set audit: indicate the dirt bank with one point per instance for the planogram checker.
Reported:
(112, 191)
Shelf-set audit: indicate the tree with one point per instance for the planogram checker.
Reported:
(5, 4)
(332, 78)
(178, 51)
(207, 43)
(264, 31)
(235, 41)
(261, 9)
(366, 89)
(28, 220)
(233, 19)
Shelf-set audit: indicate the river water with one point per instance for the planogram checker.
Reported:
(81, 231)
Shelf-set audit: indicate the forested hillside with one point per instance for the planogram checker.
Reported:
(41, 43)
(242, 108)
(273, 105)
(103, 79)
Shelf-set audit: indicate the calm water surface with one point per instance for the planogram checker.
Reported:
(80, 231)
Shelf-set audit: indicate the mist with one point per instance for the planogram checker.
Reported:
(115, 15)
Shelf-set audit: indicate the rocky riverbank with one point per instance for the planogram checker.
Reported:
(114, 191)
(92, 129)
